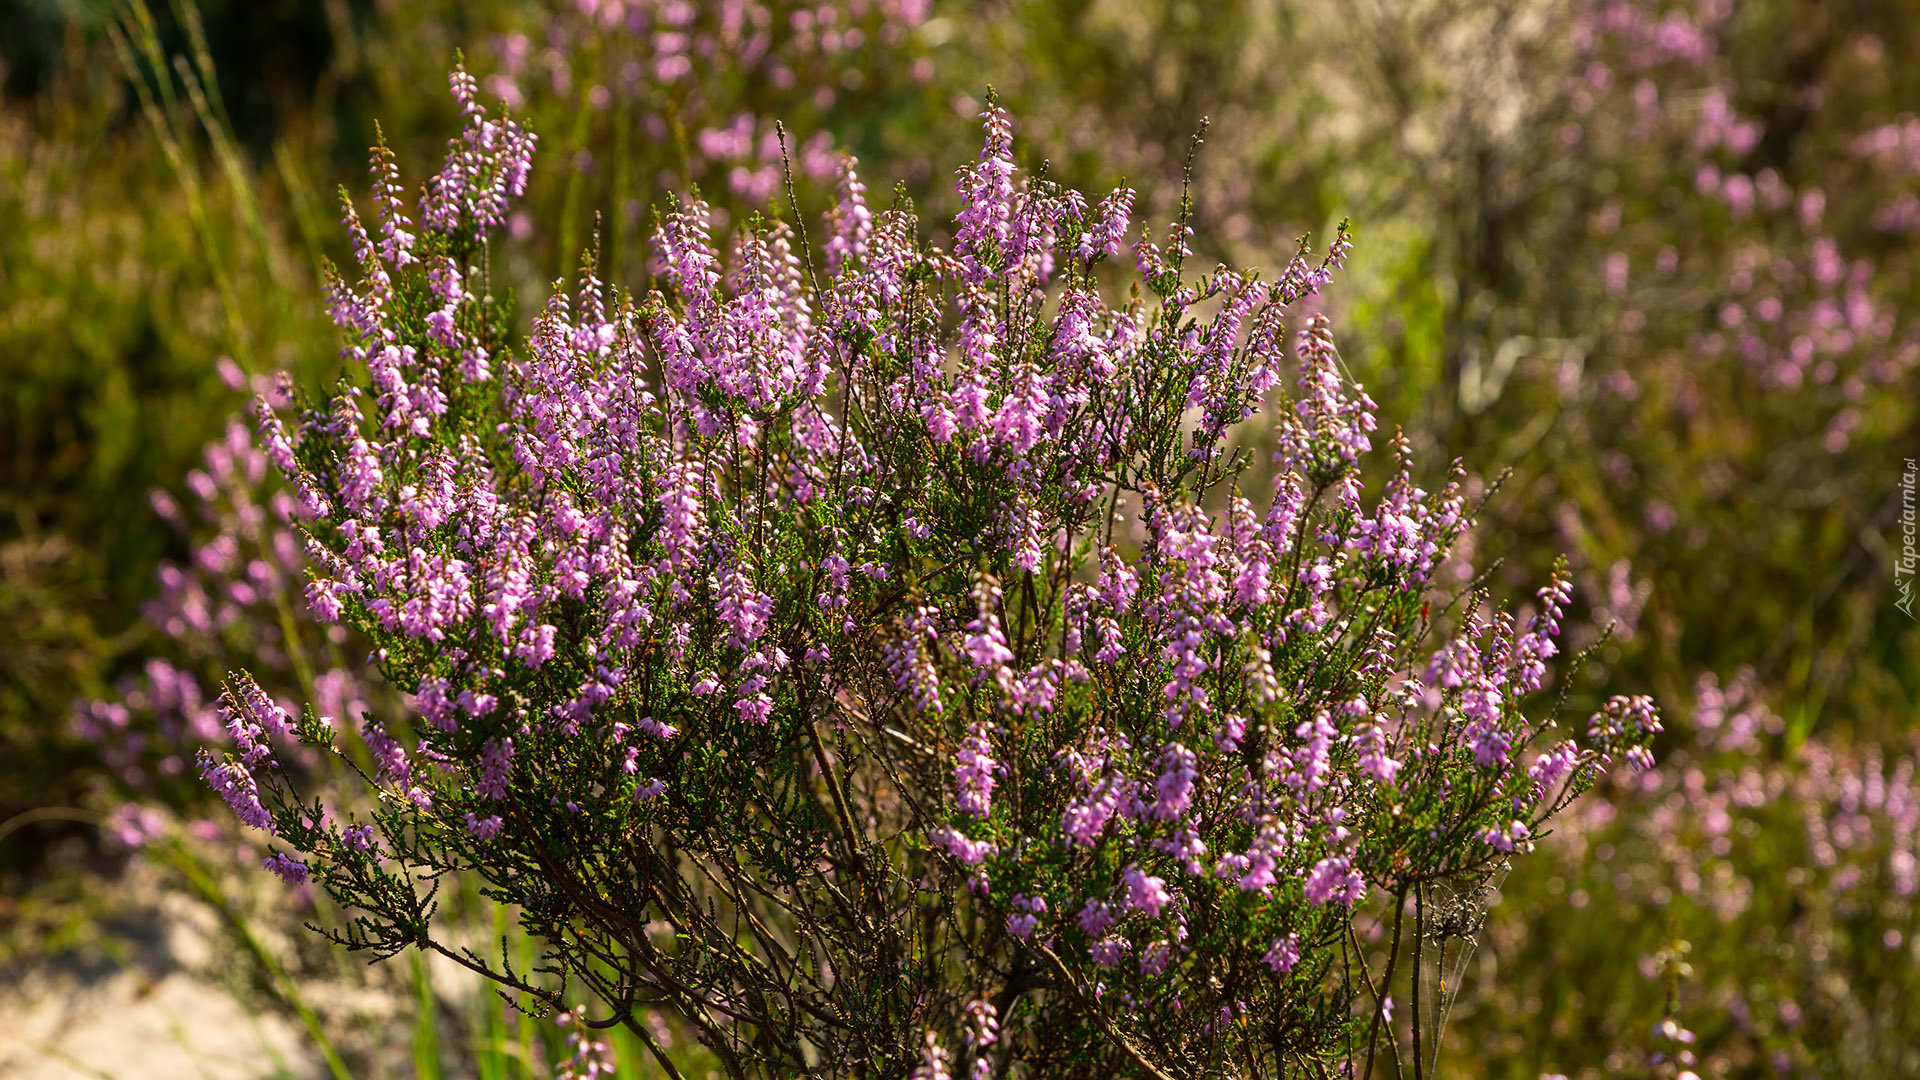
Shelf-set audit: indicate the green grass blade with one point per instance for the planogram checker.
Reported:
(426, 1040)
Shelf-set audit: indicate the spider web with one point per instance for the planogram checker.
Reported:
(1455, 912)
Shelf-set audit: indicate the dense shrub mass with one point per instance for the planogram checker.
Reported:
(792, 598)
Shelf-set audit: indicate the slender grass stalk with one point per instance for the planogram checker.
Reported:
(426, 1043)
(576, 180)
(139, 27)
(198, 82)
(306, 207)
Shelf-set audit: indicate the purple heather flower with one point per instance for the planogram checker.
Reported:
(986, 190)
(323, 599)
(1284, 953)
(1536, 646)
(289, 869)
(1312, 762)
(252, 718)
(973, 775)
(1332, 880)
(390, 759)
(233, 781)
(956, 844)
(1552, 767)
(933, 1061)
(986, 643)
(1374, 759)
(1117, 584)
(1026, 916)
(982, 1031)
(1155, 957)
(850, 222)
(1511, 838)
(1095, 917)
(1085, 819)
(1256, 870)
(486, 167)
(1173, 791)
(1109, 950)
(1186, 846)
(496, 769)
(133, 825)
(1144, 892)
(1631, 719)
(1108, 232)
(589, 1058)
(483, 828)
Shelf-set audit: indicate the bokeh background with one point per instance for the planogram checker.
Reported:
(1647, 266)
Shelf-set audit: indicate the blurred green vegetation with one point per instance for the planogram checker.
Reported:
(152, 219)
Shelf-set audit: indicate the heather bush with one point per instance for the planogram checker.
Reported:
(603, 71)
(773, 648)
(1657, 264)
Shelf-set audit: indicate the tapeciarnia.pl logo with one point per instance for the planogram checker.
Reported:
(1903, 565)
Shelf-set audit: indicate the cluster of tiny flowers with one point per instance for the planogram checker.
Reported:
(1628, 722)
(707, 516)
(287, 868)
(935, 1062)
(982, 1031)
(486, 170)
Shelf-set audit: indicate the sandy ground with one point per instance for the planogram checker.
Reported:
(128, 1025)
(138, 997)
